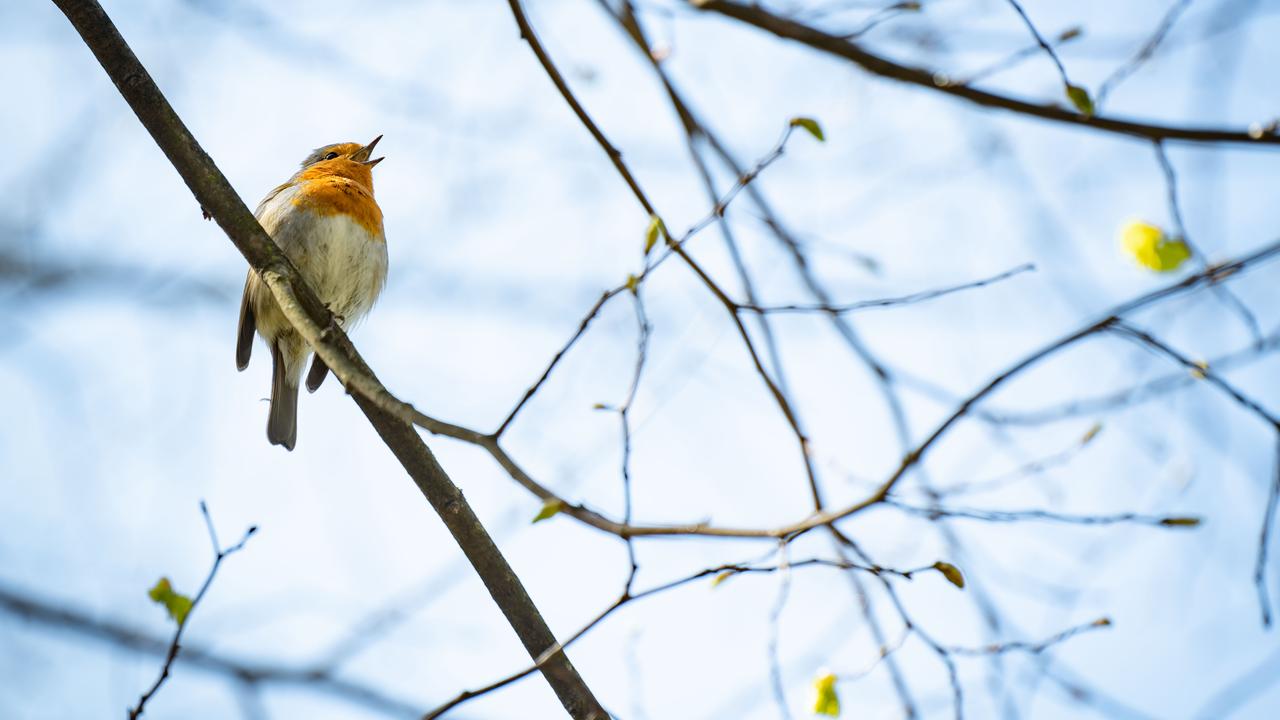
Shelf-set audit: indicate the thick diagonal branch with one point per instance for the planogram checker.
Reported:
(313, 320)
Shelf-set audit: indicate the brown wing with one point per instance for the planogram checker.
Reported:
(244, 337)
(248, 323)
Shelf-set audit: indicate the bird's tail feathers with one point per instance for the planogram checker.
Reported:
(282, 423)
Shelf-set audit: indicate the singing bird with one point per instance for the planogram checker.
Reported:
(328, 224)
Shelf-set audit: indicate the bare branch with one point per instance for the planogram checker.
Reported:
(1224, 294)
(1009, 516)
(1017, 57)
(1044, 45)
(782, 27)
(117, 635)
(219, 554)
(1144, 53)
(1034, 648)
(1264, 543)
(910, 299)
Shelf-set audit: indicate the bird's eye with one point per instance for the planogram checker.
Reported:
(331, 156)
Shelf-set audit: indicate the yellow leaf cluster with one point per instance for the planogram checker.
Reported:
(1152, 248)
(826, 702)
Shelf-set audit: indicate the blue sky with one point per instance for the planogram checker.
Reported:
(504, 223)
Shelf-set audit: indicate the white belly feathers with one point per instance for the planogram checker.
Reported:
(342, 261)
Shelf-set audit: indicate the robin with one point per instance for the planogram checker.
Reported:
(328, 224)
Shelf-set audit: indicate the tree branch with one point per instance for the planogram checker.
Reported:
(54, 615)
(390, 417)
(782, 27)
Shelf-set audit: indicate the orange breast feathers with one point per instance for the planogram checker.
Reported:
(340, 186)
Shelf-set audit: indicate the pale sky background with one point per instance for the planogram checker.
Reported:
(504, 223)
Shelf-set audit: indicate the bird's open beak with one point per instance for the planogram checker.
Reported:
(362, 155)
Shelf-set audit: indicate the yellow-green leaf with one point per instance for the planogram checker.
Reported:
(652, 233)
(811, 125)
(950, 572)
(1080, 98)
(1152, 248)
(1091, 433)
(1102, 622)
(633, 282)
(721, 577)
(549, 508)
(1180, 521)
(177, 604)
(826, 701)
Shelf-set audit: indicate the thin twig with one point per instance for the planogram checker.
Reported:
(582, 328)
(1264, 543)
(219, 554)
(1144, 53)
(891, 301)
(880, 16)
(1180, 229)
(1016, 58)
(1126, 397)
(1013, 516)
(1033, 648)
(628, 597)
(1027, 470)
(118, 636)
(1200, 370)
(775, 634)
(1044, 45)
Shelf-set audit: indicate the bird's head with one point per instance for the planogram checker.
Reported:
(349, 160)
(353, 152)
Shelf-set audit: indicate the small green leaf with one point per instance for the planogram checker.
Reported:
(811, 125)
(721, 577)
(549, 508)
(652, 233)
(1180, 521)
(177, 604)
(826, 701)
(633, 282)
(1080, 98)
(951, 573)
(1172, 254)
